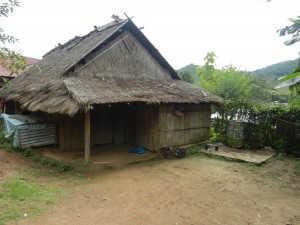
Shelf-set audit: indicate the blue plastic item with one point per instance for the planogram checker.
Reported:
(137, 150)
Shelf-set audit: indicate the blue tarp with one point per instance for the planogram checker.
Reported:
(12, 123)
(137, 150)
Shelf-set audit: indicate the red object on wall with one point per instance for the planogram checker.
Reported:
(178, 112)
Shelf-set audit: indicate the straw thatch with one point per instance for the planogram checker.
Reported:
(113, 63)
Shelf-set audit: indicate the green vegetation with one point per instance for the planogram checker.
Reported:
(28, 193)
(292, 80)
(264, 80)
(186, 76)
(191, 70)
(21, 198)
(11, 60)
(238, 90)
(60, 166)
(31, 190)
(246, 97)
(4, 142)
(293, 30)
(260, 130)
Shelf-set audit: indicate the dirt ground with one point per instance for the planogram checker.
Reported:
(10, 163)
(193, 190)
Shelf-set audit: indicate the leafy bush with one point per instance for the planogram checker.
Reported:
(4, 142)
(260, 128)
(61, 166)
(27, 152)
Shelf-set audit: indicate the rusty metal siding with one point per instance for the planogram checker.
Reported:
(37, 137)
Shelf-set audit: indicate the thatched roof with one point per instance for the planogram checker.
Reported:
(113, 63)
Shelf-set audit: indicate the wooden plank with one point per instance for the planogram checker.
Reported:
(190, 128)
(170, 124)
(147, 126)
(155, 140)
(179, 130)
(197, 135)
(87, 136)
(161, 125)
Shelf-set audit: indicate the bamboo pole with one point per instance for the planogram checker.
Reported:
(87, 136)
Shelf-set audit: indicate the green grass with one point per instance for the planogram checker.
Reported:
(32, 189)
(20, 196)
(61, 166)
(195, 151)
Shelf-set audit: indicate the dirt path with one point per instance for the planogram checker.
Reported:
(11, 163)
(182, 192)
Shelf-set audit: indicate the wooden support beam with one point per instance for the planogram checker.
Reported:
(87, 136)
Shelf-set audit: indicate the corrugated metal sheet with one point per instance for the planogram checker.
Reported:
(37, 137)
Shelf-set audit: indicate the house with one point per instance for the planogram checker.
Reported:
(113, 86)
(6, 75)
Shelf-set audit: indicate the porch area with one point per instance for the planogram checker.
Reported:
(114, 155)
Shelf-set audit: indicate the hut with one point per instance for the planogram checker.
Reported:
(113, 86)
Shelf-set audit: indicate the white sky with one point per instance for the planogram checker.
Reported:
(240, 32)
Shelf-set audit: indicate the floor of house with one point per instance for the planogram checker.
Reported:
(115, 154)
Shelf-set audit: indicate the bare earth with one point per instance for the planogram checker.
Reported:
(11, 163)
(188, 191)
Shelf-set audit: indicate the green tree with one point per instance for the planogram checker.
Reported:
(261, 91)
(186, 76)
(10, 59)
(207, 71)
(293, 30)
(238, 89)
(293, 80)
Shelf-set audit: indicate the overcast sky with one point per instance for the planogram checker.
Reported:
(240, 32)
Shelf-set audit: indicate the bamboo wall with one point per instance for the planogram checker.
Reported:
(192, 127)
(149, 126)
(159, 126)
(71, 132)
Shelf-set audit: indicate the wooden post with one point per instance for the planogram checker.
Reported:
(87, 136)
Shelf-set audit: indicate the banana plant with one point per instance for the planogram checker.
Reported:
(293, 79)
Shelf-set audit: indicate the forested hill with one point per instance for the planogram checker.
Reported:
(277, 70)
(190, 69)
(271, 73)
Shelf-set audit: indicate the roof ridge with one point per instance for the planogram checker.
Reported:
(78, 39)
